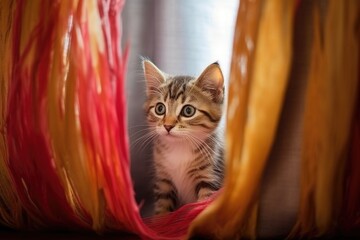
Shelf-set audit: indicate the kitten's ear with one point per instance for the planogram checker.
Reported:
(154, 77)
(211, 80)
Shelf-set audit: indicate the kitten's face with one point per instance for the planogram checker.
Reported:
(181, 107)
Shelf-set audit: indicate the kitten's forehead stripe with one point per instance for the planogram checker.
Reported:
(183, 98)
(170, 91)
(178, 94)
(166, 96)
(174, 87)
(177, 86)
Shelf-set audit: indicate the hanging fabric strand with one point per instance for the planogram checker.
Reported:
(331, 94)
(350, 216)
(252, 118)
(11, 214)
(64, 147)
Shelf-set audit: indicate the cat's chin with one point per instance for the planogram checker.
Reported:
(170, 137)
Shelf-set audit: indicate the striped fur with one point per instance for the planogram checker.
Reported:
(188, 151)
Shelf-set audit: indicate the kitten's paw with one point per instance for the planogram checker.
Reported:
(203, 195)
(164, 205)
(161, 212)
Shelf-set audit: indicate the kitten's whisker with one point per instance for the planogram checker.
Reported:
(145, 125)
(141, 131)
(189, 142)
(215, 140)
(206, 148)
(202, 146)
(138, 140)
(189, 138)
(146, 143)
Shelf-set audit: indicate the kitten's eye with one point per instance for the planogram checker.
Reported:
(188, 111)
(160, 109)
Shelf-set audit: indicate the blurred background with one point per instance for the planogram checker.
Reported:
(180, 37)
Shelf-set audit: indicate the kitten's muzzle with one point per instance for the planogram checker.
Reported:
(169, 127)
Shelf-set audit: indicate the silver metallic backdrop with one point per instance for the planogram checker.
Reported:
(180, 37)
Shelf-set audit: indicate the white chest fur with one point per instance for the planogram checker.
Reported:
(176, 161)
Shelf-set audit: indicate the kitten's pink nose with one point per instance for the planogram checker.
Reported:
(168, 127)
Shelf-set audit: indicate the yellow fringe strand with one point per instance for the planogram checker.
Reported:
(251, 126)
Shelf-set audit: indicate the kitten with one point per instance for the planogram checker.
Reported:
(183, 113)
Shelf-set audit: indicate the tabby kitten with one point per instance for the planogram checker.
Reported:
(183, 113)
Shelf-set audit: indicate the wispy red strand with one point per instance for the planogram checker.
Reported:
(30, 158)
(175, 225)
